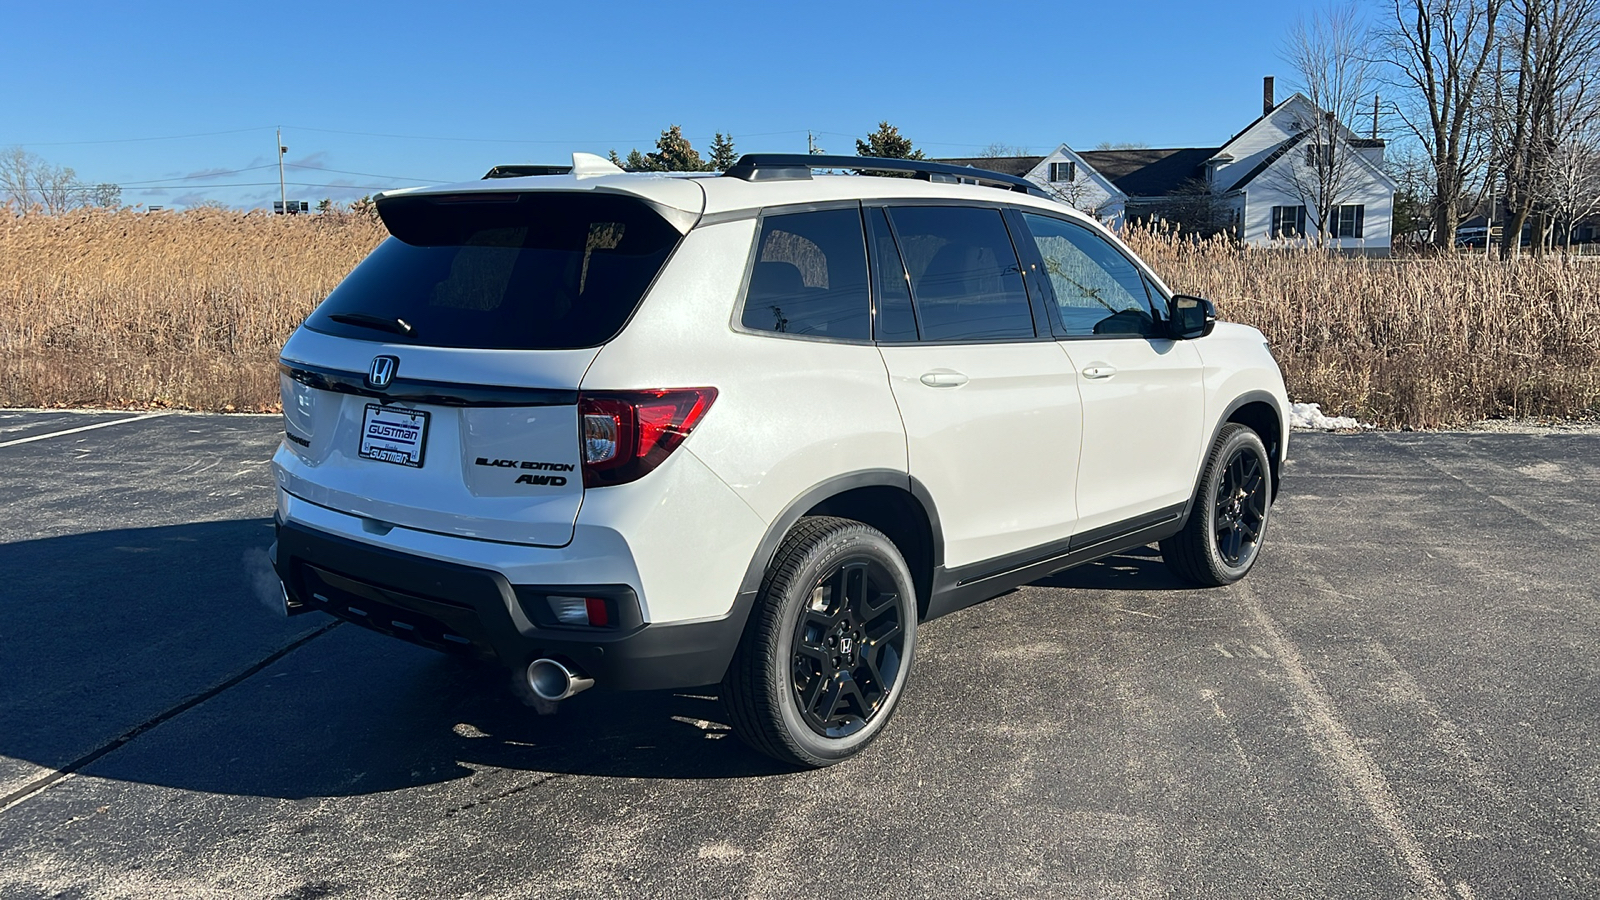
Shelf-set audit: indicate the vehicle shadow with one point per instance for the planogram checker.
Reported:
(105, 633)
(1139, 569)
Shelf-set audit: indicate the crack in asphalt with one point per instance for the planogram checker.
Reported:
(502, 795)
(44, 781)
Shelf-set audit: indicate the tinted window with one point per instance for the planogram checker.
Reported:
(1097, 289)
(896, 321)
(810, 276)
(965, 280)
(503, 271)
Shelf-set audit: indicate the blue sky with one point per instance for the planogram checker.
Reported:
(374, 95)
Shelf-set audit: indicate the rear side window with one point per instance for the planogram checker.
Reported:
(1098, 291)
(965, 280)
(810, 276)
(502, 271)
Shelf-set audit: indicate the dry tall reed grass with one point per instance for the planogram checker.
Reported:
(180, 309)
(1408, 342)
(189, 309)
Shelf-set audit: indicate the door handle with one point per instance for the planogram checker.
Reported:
(1099, 370)
(944, 379)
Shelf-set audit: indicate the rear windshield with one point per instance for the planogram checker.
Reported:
(502, 271)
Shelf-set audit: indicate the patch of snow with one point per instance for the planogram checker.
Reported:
(1309, 416)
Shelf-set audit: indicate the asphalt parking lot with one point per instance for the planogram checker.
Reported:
(1403, 700)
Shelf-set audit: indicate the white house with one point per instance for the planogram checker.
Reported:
(1270, 183)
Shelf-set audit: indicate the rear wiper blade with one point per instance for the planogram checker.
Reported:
(393, 325)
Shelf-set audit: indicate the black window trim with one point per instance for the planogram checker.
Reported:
(1152, 288)
(873, 276)
(890, 204)
(737, 322)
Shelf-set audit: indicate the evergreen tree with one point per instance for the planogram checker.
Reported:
(615, 159)
(887, 143)
(636, 161)
(722, 153)
(673, 154)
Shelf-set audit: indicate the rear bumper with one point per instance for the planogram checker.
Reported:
(463, 609)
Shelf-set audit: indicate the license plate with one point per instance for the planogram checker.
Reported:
(394, 435)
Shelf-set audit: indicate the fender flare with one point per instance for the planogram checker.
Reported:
(1234, 406)
(817, 493)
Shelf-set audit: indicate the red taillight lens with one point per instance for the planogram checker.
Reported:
(627, 434)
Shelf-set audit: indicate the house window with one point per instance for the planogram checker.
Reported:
(1319, 156)
(1064, 171)
(1288, 221)
(1348, 220)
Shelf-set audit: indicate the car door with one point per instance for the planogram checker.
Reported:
(1143, 400)
(990, 406)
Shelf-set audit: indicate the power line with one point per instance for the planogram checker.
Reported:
(476, 140)
(366, 174)
(168, 137)
(197, 175)
(357, 187)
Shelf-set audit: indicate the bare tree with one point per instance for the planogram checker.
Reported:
(1412, 171)
(1570, 181)
(1438, 52)
(1328, 51)
(29, 181)
(998, 150)
(1551, 97)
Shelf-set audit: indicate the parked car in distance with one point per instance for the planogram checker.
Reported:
(753, 429)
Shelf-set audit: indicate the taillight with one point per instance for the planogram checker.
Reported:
(626, 434)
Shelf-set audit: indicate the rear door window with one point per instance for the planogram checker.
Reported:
(810, 276)
(503, 271)
(966, 283)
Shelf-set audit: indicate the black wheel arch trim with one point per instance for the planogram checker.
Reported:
(1273, 452)
(833, 487)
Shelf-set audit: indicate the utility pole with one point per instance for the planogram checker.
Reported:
(283, 196)
(811, 143)
(1374, 116)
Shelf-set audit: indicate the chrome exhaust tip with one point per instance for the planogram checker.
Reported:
(550, 680)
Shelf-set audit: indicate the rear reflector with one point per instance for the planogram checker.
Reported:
(594, 612)
(627, 434)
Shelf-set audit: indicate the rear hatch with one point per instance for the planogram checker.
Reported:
(436, 388)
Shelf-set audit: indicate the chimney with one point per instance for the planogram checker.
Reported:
(1266, 95)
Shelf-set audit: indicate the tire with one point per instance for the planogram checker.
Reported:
(1228, 518)
(827, 650)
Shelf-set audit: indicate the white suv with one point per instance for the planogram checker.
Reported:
(661, 431)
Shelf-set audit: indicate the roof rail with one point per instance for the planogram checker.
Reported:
(518, 171)
(798, 166)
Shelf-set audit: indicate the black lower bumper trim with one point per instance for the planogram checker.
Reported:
(462, 609)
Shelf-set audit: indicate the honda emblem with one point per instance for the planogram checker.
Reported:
(382, 371)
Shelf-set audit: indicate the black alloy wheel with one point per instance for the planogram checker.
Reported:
(848, 645)
(1228, 518)
(1240, 508)
(827, 649)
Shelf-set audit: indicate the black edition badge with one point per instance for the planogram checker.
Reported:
(551, 480)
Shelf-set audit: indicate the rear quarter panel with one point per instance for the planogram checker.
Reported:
(790, 412)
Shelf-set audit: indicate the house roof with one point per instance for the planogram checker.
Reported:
(1005, 165)
(1137, 173)
(1150, 173)
(1268, 160)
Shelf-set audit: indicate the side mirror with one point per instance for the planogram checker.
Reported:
(1191, 317)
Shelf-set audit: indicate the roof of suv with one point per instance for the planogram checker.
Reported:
(683, 198)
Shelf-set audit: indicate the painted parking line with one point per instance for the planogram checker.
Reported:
(41, 437)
